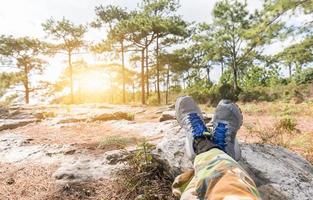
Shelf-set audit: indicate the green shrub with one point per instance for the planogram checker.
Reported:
(199, 91)
(249, 96)
(227, 91)
(304, 77)
(224, 91)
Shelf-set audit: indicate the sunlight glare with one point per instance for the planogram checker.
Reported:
(92, 82)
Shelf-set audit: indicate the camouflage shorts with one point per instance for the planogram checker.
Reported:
(215, 176)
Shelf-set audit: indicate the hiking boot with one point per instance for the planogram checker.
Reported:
(226, 122)
(190, 118)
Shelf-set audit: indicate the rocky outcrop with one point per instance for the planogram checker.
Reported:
(278, 173)
(105, 116)
(170, 115)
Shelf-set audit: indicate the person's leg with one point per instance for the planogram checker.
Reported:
(216, 175)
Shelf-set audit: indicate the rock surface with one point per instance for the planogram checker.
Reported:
(278, 173)
(170, 115)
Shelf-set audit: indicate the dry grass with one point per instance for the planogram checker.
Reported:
(34, 182)
(116, 142)
(25, 182)
(303, 145)
(146, 177)
(278, 134)
(278, 108)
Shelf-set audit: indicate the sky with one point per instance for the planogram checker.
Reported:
(24, 18)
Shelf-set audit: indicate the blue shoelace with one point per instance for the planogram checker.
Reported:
(198, 127)
(219, 135)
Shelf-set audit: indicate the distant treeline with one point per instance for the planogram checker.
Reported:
(172, 55)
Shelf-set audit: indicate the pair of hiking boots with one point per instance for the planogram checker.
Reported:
(227, 120)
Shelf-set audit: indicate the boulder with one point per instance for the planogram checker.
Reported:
(111, 116)
(170, 115)
(15, 123)
(278, 172)
(167, 115)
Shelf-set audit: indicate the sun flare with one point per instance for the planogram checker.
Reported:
(92, 82)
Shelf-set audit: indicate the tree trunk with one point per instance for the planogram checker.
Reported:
(134, 92)
(184, 81)
(222, 66)
(26, 85)
(158, 70)
(167, 84)
(208, 73)
(123, 72)
(235, 73)
(71, 75)
(290, 69)
(143, 100)
(147, 70)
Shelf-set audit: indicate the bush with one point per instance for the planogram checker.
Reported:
(279, 134)
(199, 91)
(227, 91)
(224, 91)
(153, 100)
(249, 96)
(304, 77)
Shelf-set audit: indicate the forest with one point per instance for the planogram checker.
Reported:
(151, 55)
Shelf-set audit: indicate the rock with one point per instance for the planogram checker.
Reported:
(111, 116)
(69, 152)
(71, 120)
(10, 181)
(15, 123)
(86, 167)
(276, 169)
(278, 173)
(172, 106)
(167, 115)
(170, 115)
(172, 148)
(44, 115)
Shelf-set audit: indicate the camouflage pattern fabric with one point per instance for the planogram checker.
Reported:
(215, 176)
